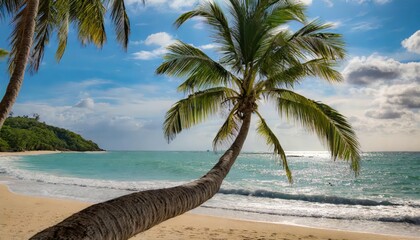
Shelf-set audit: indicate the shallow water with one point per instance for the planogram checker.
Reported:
(385, 196)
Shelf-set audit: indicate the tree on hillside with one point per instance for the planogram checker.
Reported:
(35, 21)
(36, 116)
(259, 61)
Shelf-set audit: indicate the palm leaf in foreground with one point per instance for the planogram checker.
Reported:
(193, 110)
(264, 130)
(330, 126)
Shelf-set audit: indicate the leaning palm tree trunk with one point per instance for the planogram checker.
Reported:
(123, 217)
(20, 61)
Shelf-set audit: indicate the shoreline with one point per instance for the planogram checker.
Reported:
(42, 152)
(22, 216)
(28, 153)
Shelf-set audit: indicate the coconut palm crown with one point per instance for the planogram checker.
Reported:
(260, 60)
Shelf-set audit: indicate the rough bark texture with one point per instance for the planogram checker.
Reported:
(20, 61)
(124, 217)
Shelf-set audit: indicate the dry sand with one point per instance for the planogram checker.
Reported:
(22, 216)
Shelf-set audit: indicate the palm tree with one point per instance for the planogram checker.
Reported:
(36, 20)
(258, 61)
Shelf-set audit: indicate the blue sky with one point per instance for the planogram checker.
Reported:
(114, 97)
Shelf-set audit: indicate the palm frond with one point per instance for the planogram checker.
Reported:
(331, 127)
(9, 7)
(121, 21)
(318, 44)
(264, 130)
(229, 129)
(213, 15)
(184, 60)
(45, 22)
(17, 35)
(63, 14)
(89, 17)
(277, 54)
(281, 12)
(248, 31)
(194, 109)
(314, 68)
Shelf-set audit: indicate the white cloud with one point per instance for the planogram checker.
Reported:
(86, 103)
(406, 96)
(199, 22)
(160, 39)
(145, 55)
(412, 44)
(334, 24)
(329, 3)
(182, 4)
(380, 2)
(174, 5)
(384, 113)
(365, 26)
(148, 55)
(377, 69)
(136, 42)
(306, 2)
(114, 117)
(209, 46)
(385, 100)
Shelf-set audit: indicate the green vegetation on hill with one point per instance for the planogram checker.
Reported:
(27, 134)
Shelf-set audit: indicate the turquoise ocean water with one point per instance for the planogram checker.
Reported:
(384, 198)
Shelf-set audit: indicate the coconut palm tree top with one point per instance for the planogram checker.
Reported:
(260, 59)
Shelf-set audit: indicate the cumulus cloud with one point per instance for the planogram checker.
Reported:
(385, 113)
(384, 126)
(86, 103)
(392, 92)
(161, 40)
(406, 96)
(375, 68)
(393, 101)
(412, 44)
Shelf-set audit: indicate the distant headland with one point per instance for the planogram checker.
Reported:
(24, 133)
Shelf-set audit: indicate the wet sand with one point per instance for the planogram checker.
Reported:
(22, 216)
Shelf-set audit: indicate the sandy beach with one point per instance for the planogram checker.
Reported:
(22, 216)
